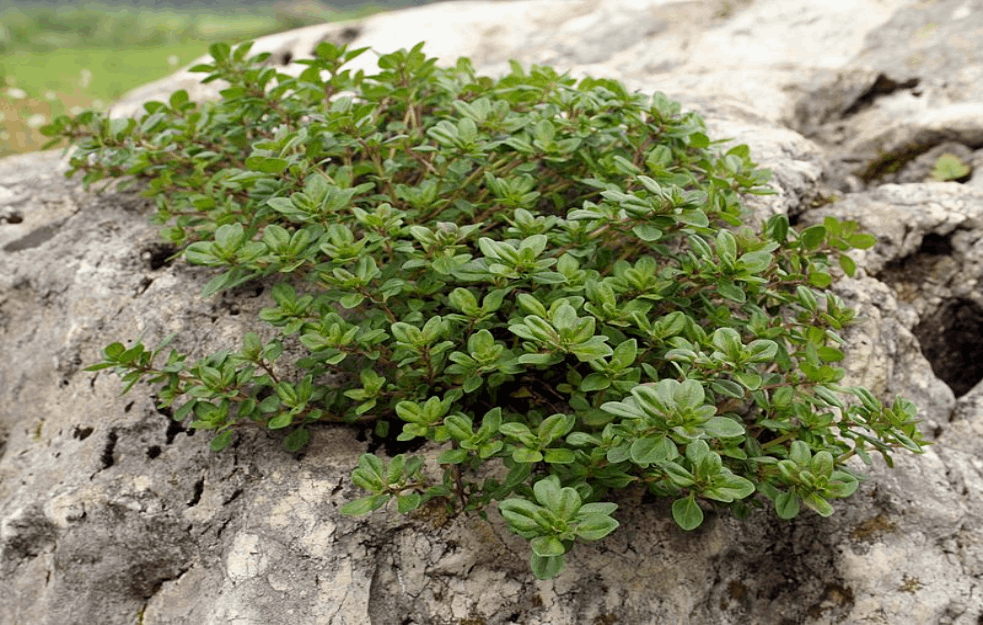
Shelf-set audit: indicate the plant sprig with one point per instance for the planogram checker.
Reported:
(543, 276)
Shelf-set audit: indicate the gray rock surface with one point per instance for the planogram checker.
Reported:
(110, 512)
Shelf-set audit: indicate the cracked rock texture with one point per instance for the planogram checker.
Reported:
(112, 513)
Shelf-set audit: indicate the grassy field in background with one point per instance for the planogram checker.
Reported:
(62, 60)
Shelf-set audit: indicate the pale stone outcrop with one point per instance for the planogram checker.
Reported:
(110, 512)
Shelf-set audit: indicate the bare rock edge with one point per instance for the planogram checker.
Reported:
(113, 513)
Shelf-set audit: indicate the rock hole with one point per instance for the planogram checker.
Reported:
(887, 163)
(128, 407)
(145, 283)
(286, 57)
(235, 495)
(199, 489)
(81, 433)
(109, 450)
(157, 255)
(13, 218)
(350, 34)
(389, 443)
(218, 534)
(952, 341)
(882, 86)
(153, 451)
(908, 274)
(173, 429)
(936, 244)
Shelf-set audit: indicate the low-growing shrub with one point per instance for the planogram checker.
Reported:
(550, 280)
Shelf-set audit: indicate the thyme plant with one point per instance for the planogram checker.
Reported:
(549, 280)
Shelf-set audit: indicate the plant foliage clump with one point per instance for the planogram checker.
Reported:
(549, 280)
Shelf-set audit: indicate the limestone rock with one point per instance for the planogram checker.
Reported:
(111, 512)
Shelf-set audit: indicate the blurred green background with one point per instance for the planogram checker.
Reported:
(58, 58)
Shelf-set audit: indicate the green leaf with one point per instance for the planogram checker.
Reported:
(566, 505)
(595, 526)
(547, 546)
(624, 354)
(364, 505)
(848, 265)
(762, 351)
(593, 349)
(526, 455)
(728, 388)
(297, 439)
(459, 427)
(539, 359)
(756, 262)
(726, 247)
(266, 164)
(554, 427)
(131, 355)
(787, 505)
(950, 167)
(221, 440)
(689, 394)
(730, 489)
(282, 420)
(181, 413)
(800, 453)
(453, 456)
(723, 427)
(351, 300)
(560, 456)
(408, 503)
(830, 354)
(178, 98)
(820, 279)
(777, 226)
(813, 236)
(546, 567)
(652, 450)
(687, 513)
(548, 492)
(519, 511)
(518, 431)
(113, 351)
(728, 341)
(750, 380)
(822, 464)
(647, 233)
(229, 236)
(595, 382)
(842, 485)
(817, 504)
(862, 241)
